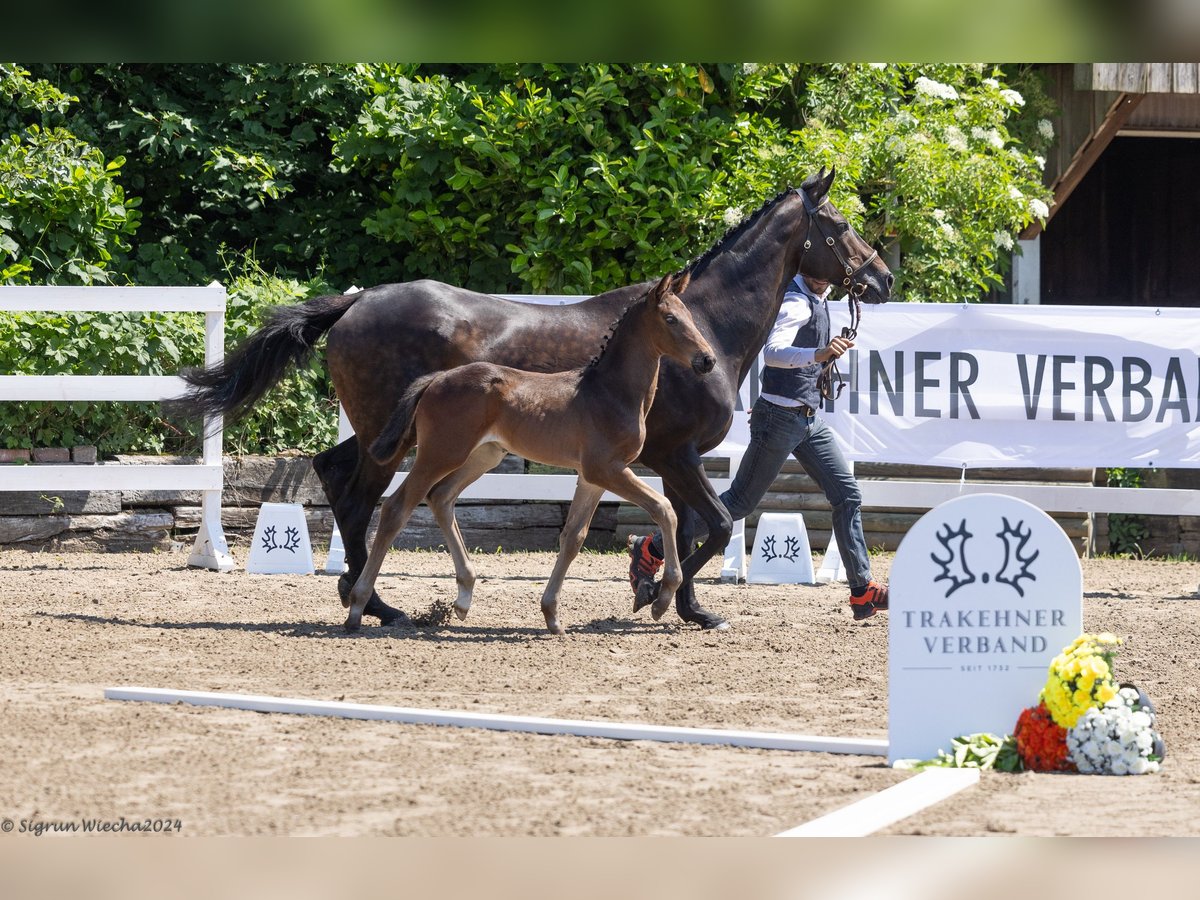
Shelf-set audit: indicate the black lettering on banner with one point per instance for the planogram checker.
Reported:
(1093, 389)
(923, 381)
(1031, 396)
(1129, 387)
(1060, 386)
(1174, 378)
(960, 384)
(879, 374)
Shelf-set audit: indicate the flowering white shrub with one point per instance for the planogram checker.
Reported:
(934, 90)
(1116, 739)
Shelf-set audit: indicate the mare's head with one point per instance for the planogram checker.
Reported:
(834, 251)
(672, 329)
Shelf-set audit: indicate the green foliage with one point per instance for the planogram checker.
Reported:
(1126, 532)
(63, 215)
(974, 751)
(235, 155)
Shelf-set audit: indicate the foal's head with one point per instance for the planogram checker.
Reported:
(673, 331)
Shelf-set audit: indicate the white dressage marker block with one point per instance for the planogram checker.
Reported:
(832, 568)
(781, 551)
(280, 545)
(733, 567)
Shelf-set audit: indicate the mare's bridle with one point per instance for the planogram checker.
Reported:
(854, 291)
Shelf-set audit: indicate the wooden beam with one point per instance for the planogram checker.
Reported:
(1085, 157)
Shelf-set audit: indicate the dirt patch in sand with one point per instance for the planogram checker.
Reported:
(793, 660)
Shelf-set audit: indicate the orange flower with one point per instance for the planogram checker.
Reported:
(1041, 742)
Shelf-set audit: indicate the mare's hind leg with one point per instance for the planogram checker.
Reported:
(353, 483)
(579, 517)
(393, 516)
(441, 502)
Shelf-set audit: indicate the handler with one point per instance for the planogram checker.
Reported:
(784, 421)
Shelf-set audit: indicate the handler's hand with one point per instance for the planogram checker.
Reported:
(833, 350)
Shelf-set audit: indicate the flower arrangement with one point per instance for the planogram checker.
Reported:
(1042, 742)
(1080, 678)
(1084, 722)
(1117, 738)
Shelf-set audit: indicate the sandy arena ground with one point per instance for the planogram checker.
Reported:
(794, 661)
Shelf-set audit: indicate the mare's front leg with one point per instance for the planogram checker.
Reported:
(687, 484)
(441, 502)
(353, 483)
(579, 517)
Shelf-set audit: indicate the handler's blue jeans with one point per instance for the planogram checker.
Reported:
(777, 431)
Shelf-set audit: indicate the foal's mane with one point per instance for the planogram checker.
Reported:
(612, 329)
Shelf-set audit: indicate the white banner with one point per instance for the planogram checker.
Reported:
(988, 385)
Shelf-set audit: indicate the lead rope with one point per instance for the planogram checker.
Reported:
(829, 370)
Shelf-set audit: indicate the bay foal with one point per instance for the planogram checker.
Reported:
(592, 420)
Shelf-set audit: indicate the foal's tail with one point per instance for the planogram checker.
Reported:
(235, 384)
(398, 432)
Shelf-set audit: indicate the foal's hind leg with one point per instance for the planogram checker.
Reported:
(441, 502)
(579, 517)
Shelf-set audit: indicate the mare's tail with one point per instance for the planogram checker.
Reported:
(399, 428)
(236, 383)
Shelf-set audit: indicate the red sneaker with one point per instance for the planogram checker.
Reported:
(643, 564)
(873, 600)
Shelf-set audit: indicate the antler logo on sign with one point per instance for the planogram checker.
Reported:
(985, 590)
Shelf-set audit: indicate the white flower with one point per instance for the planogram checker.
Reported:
(955, 139)
(904, 119)
(1040, 161)
(1012, 98)
(948, 231)
(928, 89)
(1003, 240)
(939, 214)
(992, 83)
(749, 68)
(1014, 194)
(731, 216)
(988, 136)
(1045, 129)
(878, 65)
(1039, 209)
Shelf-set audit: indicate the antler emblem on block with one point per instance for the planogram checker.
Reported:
(954, 566)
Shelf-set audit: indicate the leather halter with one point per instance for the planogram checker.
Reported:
(854, 289)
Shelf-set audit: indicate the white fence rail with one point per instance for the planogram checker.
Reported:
(210, 549)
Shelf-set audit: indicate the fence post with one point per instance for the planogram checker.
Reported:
(211, 550)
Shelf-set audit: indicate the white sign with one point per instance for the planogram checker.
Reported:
(990, 385)
(985, 591)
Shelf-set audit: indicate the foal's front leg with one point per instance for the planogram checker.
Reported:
(626, 484)
(579, 517)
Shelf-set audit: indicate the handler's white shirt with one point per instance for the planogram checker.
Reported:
(794, 313)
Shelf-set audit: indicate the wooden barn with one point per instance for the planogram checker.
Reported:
(1124, 226)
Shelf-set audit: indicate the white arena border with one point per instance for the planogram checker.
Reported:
(857, 820)
(763, 740)
(888, 806)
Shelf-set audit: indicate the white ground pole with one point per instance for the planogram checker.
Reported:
(764, 740)
(888, 806)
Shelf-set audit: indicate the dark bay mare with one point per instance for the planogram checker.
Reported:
(383, 338)
(591, 419)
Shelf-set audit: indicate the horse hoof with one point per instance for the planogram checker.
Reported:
(647, 593)
(352, 625)
(461, 613)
